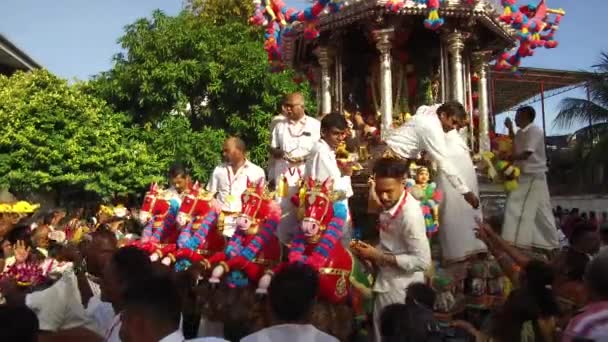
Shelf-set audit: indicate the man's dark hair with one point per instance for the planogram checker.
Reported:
(156, 299)
(131, 264)
(406, 323)
(388, 167)
(333, 120)
(529, 111)
(422, 294)
(104, 234)
(580, 227)
(292, 292)
(453, 108)
(19, 323)
(596, 276)
(178, 169)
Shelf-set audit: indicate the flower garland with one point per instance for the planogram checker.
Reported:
(330, 238)
(193, 241)
(26, 274)
(168, 221)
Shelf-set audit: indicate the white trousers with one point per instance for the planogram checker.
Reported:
(382, 300)
(529, 220)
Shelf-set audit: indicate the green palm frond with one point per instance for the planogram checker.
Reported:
(579, 111)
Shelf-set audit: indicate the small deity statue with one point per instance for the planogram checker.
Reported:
(445, 301)
(479, 275)
(429, 196)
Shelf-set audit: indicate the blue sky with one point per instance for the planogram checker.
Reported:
(77, 39)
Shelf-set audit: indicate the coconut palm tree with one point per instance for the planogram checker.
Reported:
(583, 111)
(590, 158)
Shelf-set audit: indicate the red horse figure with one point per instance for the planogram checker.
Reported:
(200, 235)
(324, 214)
(158, 213)
(254, 247)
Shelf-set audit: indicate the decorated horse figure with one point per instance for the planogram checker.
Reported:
(254, 247)
(343, 279)
(323, 215)
(157, 214)
(201, 235)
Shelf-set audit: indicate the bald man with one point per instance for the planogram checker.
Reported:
(291, 145)
(229, 180)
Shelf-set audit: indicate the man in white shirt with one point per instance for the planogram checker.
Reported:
(291, 296)
(229, 180)
(292, 141)
(152, 312)
(529, 218)
(404, 253)
(322, 163)
(426, 131)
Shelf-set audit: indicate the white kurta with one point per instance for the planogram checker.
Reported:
(456, 216)
(290, 332)
(59, 307)
(403, 234)
(423, 132)
(229, 187)
(322, 165)
(296, 139)
(529, 220)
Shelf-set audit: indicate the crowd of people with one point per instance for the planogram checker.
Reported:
(71, 277)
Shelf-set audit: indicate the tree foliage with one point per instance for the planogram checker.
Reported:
(56, 137)
(212, 68)
(219, 11)
(584, 111)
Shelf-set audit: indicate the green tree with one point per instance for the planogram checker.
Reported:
(57, 138)
(592, 111)
(213, 71)
(220, 11)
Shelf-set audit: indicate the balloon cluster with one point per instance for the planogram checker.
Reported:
(433, 21)
(536, 25)
(278, 21)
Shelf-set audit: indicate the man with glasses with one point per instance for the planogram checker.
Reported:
(292, 142)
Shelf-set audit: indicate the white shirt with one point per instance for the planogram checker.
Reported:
(423, 132)
(178, 336)
(275, 120)
(101, 313)
(296, 139)
(323, 165)
(230, 186)
(403, 234)
(531, 139)
(290, 333)
(59, 307)
(112, 334)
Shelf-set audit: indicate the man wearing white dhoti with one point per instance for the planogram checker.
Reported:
(425, 131)
(292, 141)
(457, 217)
(529, 218)
(323, 165)
(404, 253)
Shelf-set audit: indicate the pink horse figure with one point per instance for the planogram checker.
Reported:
(201, 234)
(254, 247)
